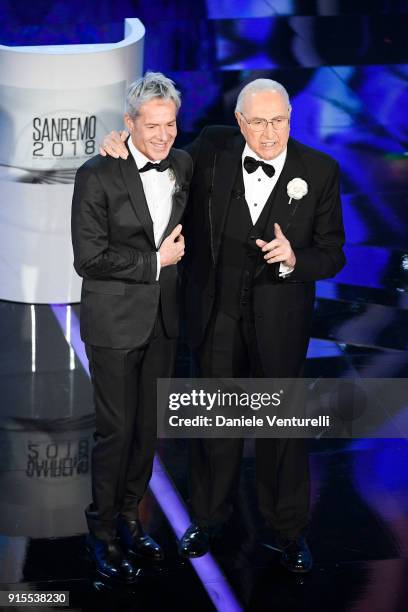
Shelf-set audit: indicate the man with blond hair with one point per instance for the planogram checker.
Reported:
(127, 240)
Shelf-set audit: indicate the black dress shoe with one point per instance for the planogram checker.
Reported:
(195, 542)
(110, 563)
(296, 556)
(136, 542)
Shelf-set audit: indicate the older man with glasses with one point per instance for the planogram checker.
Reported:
(263, 223)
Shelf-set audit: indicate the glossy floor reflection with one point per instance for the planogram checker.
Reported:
(358, 533)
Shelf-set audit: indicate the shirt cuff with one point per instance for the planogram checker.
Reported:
(158, 265)
(284, 270)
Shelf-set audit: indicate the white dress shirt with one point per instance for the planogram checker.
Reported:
(158, 189)
(258, 187)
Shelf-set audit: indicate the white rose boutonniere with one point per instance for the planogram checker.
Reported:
(296, 189)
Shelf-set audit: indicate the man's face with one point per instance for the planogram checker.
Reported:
(154, 129)
(264, 105)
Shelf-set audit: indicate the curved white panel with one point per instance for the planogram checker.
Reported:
(56, 102)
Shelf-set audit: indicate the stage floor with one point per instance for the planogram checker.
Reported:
(358, 532)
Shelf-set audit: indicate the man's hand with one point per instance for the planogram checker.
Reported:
(172, 248)
(114, 145)
(278, 250)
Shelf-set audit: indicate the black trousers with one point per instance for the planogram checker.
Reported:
(124, 384)
(282, 470)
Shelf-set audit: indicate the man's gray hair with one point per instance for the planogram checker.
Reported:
(152, 85)
(262, 85)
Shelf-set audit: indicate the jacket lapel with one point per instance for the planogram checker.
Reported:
(225, 167)
(180, 193)
(281, 211)
(137, 196)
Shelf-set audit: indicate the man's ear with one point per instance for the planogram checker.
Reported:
(129, 122)
(239, 120)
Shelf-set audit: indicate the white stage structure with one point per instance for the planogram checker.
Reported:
(56, 103)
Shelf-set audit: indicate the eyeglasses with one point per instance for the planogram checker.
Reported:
(259, 125)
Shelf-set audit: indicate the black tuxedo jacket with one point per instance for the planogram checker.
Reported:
(115, 252)
(313, 225)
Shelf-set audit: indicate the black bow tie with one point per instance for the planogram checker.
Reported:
(251, 164)
(163, 165)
